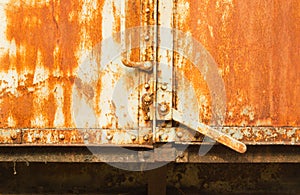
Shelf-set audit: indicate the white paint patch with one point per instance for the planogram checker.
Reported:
(40, 74)
(11, 121)
(183, 9)
(59, 119)
(39, 121)
(40, 97)
(248, 111)
(106, 51)
(4, 43)
(88, 8)
(9, 81)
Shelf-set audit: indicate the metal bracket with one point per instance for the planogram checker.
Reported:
(211, 132)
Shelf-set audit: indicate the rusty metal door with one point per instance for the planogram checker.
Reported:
(255, 45)
(132, 73)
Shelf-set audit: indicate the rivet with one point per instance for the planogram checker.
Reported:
(13, 136)
(133, 137)
(109, 137)
(147, 10)
(179, 134)
(147, 86)
(164, 137)
(86, 137)
(37, 136)
(147, 38)
(146, 118)
(163, 109)
(146, 137)
(62, 136)
(164, 86)
(147, 99)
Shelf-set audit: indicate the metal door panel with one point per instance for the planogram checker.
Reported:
(60, 64)
(255, 45)
(63, 81)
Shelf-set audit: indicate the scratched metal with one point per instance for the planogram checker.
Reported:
(43, 67)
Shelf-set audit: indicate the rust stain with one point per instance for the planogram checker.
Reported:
(47, 35)
(133, 20)
(117, 23)
(94, 26)
(42, 27)
(256, 45)
(192, 75)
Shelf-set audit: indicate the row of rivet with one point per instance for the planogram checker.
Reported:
(109, 137)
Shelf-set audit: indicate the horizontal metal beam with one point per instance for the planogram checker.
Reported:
(218, 154)
(143, 137)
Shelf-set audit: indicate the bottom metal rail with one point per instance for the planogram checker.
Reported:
(178, 154)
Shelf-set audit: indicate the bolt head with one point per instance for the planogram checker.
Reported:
(163, 109)
(179, 134)
(37, 136)
(62, 136)
(147, 99)
(164, 86)
(133, 137)
(146, 118)
(13, 136)
(109, 137)
(146, 137)
(147, 38)
(164, 137)
(86, 137)
(147, 86)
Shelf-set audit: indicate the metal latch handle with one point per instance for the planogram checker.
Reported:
(212, 133)
(146, 65)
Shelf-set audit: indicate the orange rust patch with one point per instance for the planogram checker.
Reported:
(42, 27)
(256, 45)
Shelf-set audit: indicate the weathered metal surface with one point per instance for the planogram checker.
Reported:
(10, 136)
(182, 179)
(256, 45)
(144, 137)
(99, 178)
(212, 133)
(54, 74)
(218, 154)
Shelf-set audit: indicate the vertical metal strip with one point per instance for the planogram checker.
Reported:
(147, 79)
(155, 46)
(165, 61)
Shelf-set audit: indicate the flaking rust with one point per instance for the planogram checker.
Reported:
(43, 54)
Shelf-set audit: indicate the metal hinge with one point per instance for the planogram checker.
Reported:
(157, 94)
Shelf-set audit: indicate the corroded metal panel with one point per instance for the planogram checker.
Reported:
(256, 46)
(58, 65)
(61, 68)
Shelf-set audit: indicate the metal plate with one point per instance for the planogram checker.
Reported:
(54, 75)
